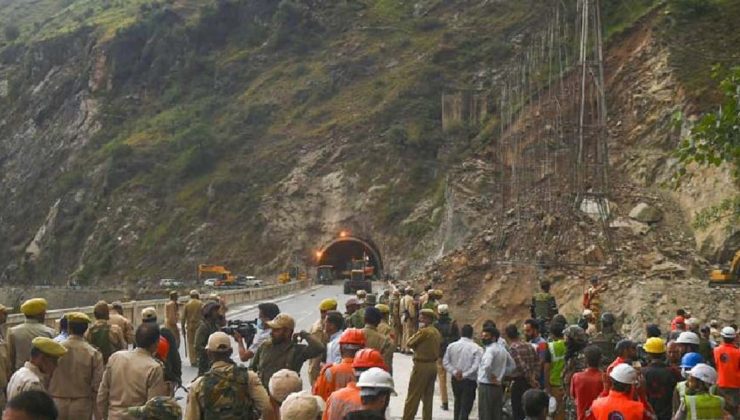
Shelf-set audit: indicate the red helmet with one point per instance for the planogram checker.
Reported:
(368, 358)
(353, 336)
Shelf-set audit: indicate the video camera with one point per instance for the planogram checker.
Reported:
(247, 329)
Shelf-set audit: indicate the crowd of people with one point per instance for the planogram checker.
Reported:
(104, 368)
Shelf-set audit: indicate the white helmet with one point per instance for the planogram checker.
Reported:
(704, 373)
(624, 373)
(374, 380)
(442, 308)
(728, 332)
(688, 337)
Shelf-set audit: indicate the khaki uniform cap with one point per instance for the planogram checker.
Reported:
(35, 306)
(194, 293)
(301, 405)
(328, 304)
(283, 383)
(219, 342)
(148, 314)
(49, 347)
(428, 312)
(383, 308)
(78, 317)
(283, 320)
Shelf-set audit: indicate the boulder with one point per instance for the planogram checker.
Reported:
(646, 213)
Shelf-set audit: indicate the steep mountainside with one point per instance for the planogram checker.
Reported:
(138, 138)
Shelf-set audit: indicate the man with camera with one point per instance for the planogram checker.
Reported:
(283, 350)
(267, 312)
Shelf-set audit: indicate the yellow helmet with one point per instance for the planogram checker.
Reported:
(654, 345)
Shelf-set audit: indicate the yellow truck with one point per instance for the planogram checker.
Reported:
(730, 277)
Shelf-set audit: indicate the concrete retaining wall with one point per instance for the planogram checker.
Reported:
(132, 310)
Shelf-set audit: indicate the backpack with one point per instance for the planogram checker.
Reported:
(226, 395)
(100, 339)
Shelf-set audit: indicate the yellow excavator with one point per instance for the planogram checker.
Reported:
(222, 274)
(292, 274)
(729, 277)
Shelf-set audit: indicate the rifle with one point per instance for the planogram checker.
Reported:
(185, 339)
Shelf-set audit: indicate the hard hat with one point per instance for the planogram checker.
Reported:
(552, 405)
(624, 373)
(608, 318)
(689, 360)
(49, 347)
(283, 383)
(728, 332)
(575, 334)
(361, 293)
(654, 345)
(302, 405)
(587, 312)
(692, 322)
(688, 337)
(704, 373)
(35, 306)
(352, 336)
(443, 309)
(328, 304)
(374, 380)
(368, 358)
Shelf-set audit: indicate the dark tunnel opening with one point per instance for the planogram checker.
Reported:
(341, 253)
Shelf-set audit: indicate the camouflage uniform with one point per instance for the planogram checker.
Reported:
(158, 408)
(606, 341)
(205, 329)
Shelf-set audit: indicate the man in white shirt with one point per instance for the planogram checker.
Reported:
(333, 328)
(461, 361)
(495, 364)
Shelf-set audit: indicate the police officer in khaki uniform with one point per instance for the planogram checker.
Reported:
(237, 390)
(374, 339)
(133, 377)
(77, 377)
(426, 345)
(408, 317)
(20, 336)
(172, 316)
(191, 316)
(395, 318)
(36, 372)
(116, 318)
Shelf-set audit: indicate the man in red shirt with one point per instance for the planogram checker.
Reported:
(727, 360)
(585, 386)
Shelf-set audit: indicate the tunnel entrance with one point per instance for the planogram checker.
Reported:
(343, 252)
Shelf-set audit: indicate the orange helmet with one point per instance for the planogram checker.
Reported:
(368, 358)
(353, 336)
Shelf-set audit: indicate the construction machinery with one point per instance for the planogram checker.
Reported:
(324, 274)
(292, 274)
(358, 278)
(730, 277)
(223, 276)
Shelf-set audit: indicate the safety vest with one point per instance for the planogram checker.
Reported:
(617, 406)
(727, 360)
(333, 377)
(557, 361)
(704, 407)
(342, 402)
(681, 390)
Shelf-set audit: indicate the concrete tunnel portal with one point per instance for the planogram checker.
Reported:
(340, 252)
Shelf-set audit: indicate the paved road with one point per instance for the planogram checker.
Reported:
(303, 307)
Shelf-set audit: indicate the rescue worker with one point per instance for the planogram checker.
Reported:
(210, 323)
(698, 403)
(226, 391)
(4, 362)
(38, 370)
(317, 331)
(172, 316)
(335, 376)
(592, 297)
(554, 366)
(158, 408)
(660, 379)
(450, 333)
(283, 383)
(132, 377)
(282, 350)
(102, 335)
(426, 344)
(347, 399)
(116, 318)
(20, 336)
(191, 315)
(576, 341)
(77, 377)
(171, 356)
(409, 318)
(374, 339)
(384, 327)
(727, 360)
(618, 404)
(395, 318)
(688, 361)
(607, 339)
(688, 342)
(543, 307)
(333, 328)
(376, 388)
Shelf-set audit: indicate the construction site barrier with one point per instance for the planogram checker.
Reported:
(132, 309)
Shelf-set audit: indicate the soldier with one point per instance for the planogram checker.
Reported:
(317, 331)
(408, 317)
(351, 306)
(282, 350)
(190, 320)
(447, 327)
(102, 335)
(374, 339)
(171, 357)
(385, 298)
(607, 339)
(116, 318)
(36, 372)
(20, 336)
(172, 316)
(433, 297)
(384, 327)
(132, 377)
(227, 391)
(396, 324)
(77, 377)
(357, 320)
(543, 307)
(158, 408)
(426, 344)
(212, 321)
